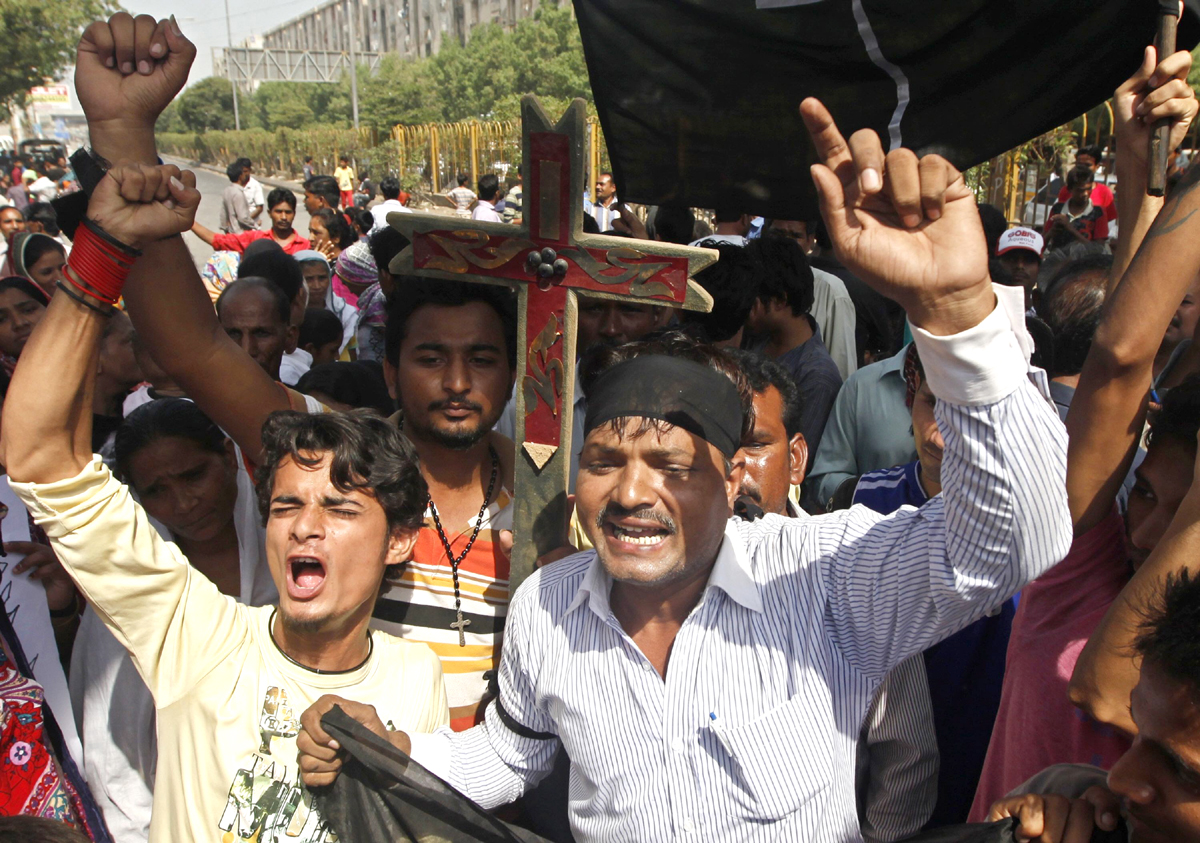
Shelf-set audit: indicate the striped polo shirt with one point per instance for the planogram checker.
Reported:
(420, 606)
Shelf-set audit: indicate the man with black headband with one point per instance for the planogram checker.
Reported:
(710, 676)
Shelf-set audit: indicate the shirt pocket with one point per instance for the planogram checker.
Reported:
(782, 759)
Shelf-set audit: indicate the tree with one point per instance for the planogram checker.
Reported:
(37, 42)
(207, 105)
(284, 104)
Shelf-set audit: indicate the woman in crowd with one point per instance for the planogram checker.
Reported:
(22, 305)
(330, 233)
(38, 257)
(190, 480)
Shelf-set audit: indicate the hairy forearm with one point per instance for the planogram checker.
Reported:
(1106, 670)
(46, 430)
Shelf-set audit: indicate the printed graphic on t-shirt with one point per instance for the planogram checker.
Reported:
(267, 802)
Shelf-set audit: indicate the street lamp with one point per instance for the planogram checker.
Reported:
(237, 120)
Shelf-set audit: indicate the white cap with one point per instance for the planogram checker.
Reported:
(1020, 238)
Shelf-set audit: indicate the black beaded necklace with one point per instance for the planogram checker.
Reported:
(461, 624)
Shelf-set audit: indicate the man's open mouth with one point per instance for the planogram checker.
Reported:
(305, 574)
(643, 536)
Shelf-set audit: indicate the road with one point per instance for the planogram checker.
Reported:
(211, 186)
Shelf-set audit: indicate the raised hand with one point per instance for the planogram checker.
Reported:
(909, 228)
(1157, 91)
(127, 70)
(138, 204)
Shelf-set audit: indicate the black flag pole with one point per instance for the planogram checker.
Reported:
(1160, 139)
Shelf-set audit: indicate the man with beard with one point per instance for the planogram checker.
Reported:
(710, 676)
(450, 359)
(896, 769)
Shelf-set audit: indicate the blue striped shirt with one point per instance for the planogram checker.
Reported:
(752, 735)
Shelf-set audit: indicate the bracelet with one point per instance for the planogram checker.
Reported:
(102, 260)
(103, 310)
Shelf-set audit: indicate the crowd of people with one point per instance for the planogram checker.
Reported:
(894, 538)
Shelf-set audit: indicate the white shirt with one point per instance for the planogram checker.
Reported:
(254, 193)
(752, 735)
(43, 189)
(735, 239)
(293, 366)
(387, 206)
(485, 211)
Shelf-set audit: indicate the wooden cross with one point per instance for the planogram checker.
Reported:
(549, 260)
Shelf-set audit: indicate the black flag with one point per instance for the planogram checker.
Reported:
(699, 98)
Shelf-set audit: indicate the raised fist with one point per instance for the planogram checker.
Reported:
(138, 204)
(129, 69)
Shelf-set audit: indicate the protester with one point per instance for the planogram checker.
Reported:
(489, 192)
(514, 199)
(38, 257)
(1183, 325)
(1020, 251)
(235, 211)
(281, 204)
(791, 336)
(365, 194)
(318, 279)
(202, 656)
(605, 206)
(354, 272)
(390, 189)
(731, 227)
(462, 196)
(344, 174)
(731, 282)
(320, 336)
(256, 315)
(253, 190)
(307, 168)
(1089, 157)
(22, 306)
(1036, 725)
(385, 244)
(659, 538)
(321, 192)
(330, 233)
(193, 486)
(1076, 219)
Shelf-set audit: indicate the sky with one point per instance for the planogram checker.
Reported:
(203, 21)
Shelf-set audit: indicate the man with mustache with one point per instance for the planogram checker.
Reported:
(709, 676)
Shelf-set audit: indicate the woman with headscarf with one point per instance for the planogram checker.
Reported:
(38, 257)
(330, 232)
(22, 305)
(318, 277)
(354, 272)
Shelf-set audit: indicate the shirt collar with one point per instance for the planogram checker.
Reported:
(730, 573)
(895, 363)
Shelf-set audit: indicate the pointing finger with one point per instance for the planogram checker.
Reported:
(832, 149)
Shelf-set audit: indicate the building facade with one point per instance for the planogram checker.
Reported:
(412, 28)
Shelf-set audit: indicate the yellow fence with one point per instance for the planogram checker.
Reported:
(426, 157)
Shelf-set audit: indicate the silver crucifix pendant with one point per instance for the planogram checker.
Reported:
(460, 625)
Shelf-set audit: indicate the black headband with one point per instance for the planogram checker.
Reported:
(688, 395)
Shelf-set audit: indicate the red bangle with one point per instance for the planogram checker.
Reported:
(100, 261)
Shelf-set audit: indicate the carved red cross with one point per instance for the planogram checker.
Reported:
(549, 260)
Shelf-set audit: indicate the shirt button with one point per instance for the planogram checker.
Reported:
(688, 826)
(677, 745)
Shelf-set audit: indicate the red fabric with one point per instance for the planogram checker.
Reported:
(239, 241)
(347, 198)
(1102, 197)
(1036, 725)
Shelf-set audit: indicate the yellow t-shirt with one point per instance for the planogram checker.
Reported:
(345, 178)
(228, 700)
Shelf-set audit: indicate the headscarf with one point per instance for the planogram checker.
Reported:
(357, 266)
(333, 302)
(18, 246)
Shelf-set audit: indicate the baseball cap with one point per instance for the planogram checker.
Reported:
(1020, 238)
